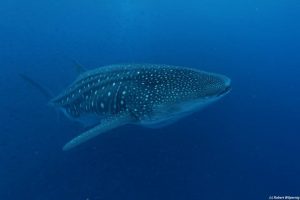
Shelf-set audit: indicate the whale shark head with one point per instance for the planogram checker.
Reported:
(212, 86)
(183, 91)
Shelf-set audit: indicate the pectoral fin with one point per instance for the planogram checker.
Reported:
(105, 125)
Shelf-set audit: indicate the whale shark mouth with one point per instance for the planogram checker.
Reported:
(225, 91)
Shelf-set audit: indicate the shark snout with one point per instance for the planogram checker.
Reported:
(227, 86)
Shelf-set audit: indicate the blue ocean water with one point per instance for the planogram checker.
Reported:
(246, 146)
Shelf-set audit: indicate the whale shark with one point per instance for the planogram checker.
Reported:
(150, 95)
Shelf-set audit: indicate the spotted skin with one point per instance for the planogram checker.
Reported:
(143, 92)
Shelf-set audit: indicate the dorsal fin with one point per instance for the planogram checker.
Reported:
(79, 67)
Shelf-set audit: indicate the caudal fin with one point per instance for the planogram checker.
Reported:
(44, 91)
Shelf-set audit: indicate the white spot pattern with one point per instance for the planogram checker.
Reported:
(137, 89)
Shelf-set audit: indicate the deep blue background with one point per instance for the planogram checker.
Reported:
(245, 146)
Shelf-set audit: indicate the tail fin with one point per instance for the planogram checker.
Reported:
(78, 67)
(44, 91)
(36, 85)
